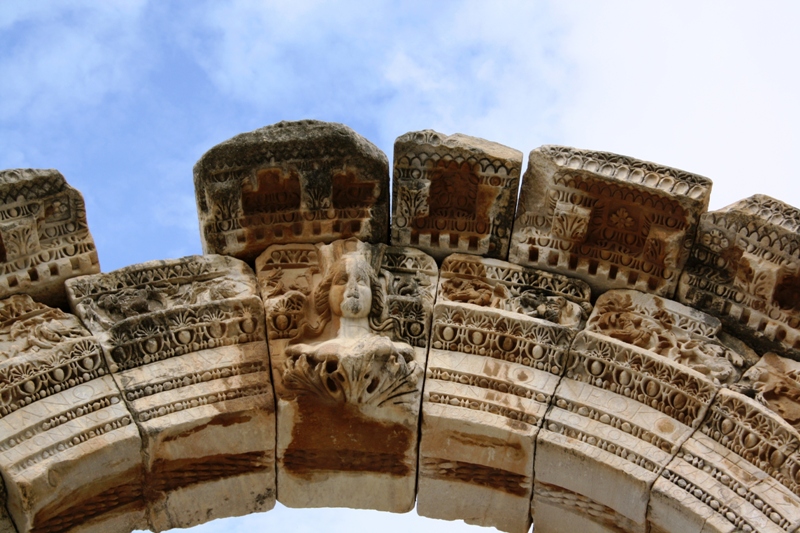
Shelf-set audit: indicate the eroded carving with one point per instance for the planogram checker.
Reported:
(186, 341)
(745, 270)
(44, 237)
(499, 344)
(348, 328)
(68, 440)
(454, 194)
(611, 220)
(305, 181)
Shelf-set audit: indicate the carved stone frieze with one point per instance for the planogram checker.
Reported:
(745, 269)
(614, 221)
(291, 182)
(186, 341)
(739, 472)
(454, 194)
(70, 452)
(639, 380)
(499, 343)
(348, 326)
(44, 237)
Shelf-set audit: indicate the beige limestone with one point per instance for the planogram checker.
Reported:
(186, 341)
(613, 221)
(639, 380)
(44, 237)
(744, 269)
(738, 472)
(70, 452)
(291, 182)
(499, 342)
(348, 326)
(454, 193)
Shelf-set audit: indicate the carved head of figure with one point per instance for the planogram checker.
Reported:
(350, 289)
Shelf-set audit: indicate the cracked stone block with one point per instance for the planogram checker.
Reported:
(44, 237)
(740, 471)
(70, 452)
(498, 347)
(186, 342)
(454, 194)
(745, 269)
(613, 221)
(348, 326)
(291, 182)
(639, 380)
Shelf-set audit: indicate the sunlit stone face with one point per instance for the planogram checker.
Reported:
(350, 294)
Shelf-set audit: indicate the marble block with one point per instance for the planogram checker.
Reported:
(186, 342)
(613, 221)
(745, 269)
(498, 347)
(348, 326)
(291, 182)
(454, 193)
(70, 452)
(44, 237)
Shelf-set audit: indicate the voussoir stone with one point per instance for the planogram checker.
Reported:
(348, 326)
(638, 381)
(291, 182)
(185, 340)
(44, 237)
(499, 345)
(454, 194)
(745, 269)
(70, 452)
(611, 220)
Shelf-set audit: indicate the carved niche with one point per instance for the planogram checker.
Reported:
(638, 382)
(614, 221)
(186, 341)
(348, 326)
(70, 451)
(745, 269)
(454, 194)
(498, 347)
(44, 237)
(305, 181)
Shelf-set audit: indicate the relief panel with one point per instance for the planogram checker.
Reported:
(454, 194)
(348, 326)
(44, 237)
(70, 452)
(186, 341)
(499, 343)
(613, 221)
(306, 181)
(745, 269)
(639, 380)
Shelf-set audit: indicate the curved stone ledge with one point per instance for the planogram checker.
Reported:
(564, 388)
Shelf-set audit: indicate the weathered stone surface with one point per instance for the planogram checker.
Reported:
(745, 269)
(44, 237)
(499, 342)
(70, 452)
(639, 379)
(348, 328)
(614, 221)
(738, 472)
(774, 382)
(305, 181)
(186, 341)
(454, 194)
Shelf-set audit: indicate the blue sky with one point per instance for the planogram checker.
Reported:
(124, 96)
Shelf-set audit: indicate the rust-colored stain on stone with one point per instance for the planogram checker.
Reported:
(475, 474)
(80, 507)
(170, 475)
(225, 420)
(275, 191)
(349, 192)
(338, 437)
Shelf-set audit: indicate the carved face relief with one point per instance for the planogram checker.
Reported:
(350, 295)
